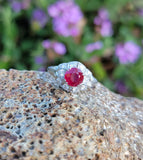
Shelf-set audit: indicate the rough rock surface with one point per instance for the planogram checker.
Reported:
(38, 121)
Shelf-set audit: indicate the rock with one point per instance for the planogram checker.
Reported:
(38, 121)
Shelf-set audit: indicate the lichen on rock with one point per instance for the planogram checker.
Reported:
(38, 121)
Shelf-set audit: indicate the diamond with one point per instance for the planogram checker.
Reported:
(74, 77)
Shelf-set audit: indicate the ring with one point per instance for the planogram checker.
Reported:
(72, 76)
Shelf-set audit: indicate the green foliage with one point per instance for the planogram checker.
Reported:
(99, 71)
(88, 5)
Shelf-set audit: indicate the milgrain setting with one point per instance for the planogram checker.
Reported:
(72, 76)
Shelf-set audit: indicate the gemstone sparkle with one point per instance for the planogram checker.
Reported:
(74, 77)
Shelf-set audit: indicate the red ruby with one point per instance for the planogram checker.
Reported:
(74, 77)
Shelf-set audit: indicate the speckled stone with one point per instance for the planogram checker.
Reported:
(38, 121)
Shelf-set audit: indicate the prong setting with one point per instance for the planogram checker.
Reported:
(83, 75)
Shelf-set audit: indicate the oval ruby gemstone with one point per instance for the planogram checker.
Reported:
(74, 77)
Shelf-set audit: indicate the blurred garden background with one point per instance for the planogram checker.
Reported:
(105, 35)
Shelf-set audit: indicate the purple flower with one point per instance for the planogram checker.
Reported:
(39, 60)
(94, 46)
(61, 28)
(66, 16)
(58, 47)
(106, 28)
(17, 5)
(46, 44)
(121, 87)
(140, 11)
(103, 21)
(103, 14)
(40, 17)
(53, 11)
(128, 52)
(26, 4)
(97, 20)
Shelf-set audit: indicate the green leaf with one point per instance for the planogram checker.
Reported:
(88, 5)
(108, 83)
(119, 72)
(27, 44)
(114, 7)
(4, 65)
(20, 66)
(99, 71)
